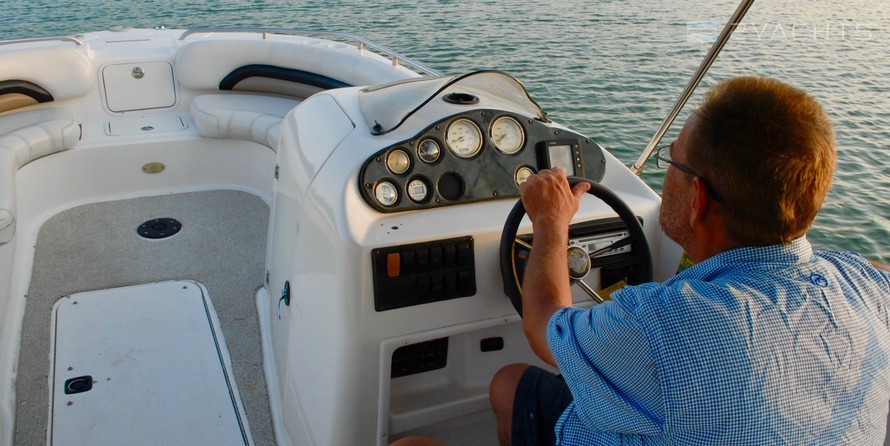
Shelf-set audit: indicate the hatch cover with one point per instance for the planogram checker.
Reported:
(153, 356)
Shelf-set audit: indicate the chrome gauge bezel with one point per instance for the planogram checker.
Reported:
(398, 161)
(515, 127)
(378, 195)
(522, 173)
(425, 157)
(451, 141)
(411, 189)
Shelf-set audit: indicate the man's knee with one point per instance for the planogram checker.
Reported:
(503, 388)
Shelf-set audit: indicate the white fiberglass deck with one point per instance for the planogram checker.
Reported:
(151, 352)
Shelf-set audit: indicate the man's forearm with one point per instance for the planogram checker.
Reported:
(550, 203)
(545, 286)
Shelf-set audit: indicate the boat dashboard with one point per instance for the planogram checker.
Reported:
(463, 139)
(478, 155)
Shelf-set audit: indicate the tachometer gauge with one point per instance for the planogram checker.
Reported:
(463, 138)
(507, 135)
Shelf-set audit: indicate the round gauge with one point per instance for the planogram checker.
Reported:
(579, 262)
(464, 138)
(507, 135)
(386, 193)
(418, 190)
(398, 162)
(428, 151)
(522, 174)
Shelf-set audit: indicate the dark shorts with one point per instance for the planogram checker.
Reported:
(541, 397)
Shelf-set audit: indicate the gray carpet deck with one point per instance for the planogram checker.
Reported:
(91, 247)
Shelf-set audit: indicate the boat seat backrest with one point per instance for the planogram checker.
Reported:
(43, 74)
(206, 64)
(24, 137)
(248, 117)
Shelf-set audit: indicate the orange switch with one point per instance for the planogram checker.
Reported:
(393, 264)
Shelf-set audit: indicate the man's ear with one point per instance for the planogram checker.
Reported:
(701, 206)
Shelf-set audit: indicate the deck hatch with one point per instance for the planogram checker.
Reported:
(142, 365)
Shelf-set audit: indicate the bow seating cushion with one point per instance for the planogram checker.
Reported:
(249, 117)
(62, 71)
(202, 65)
(24, 137)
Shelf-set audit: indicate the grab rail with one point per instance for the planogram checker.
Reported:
(637, 167)
(362, 42)
(42, 39)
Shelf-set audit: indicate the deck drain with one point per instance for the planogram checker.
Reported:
(159, 228)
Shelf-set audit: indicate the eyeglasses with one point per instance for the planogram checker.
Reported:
(663, 161)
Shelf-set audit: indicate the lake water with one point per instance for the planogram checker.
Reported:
(610, 69)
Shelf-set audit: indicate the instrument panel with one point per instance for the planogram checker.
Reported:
(473, 156)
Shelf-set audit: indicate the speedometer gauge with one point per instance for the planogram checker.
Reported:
(463, 138)
(507, 135)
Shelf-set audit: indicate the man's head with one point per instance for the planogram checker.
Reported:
(768, 149)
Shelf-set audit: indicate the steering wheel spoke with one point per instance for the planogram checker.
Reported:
(590, 291)
(522, 243)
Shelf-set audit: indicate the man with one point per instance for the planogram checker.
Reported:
(763, 341)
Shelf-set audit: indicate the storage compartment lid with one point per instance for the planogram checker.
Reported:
(139, 86)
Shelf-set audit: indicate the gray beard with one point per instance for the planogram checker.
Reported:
(675, 225)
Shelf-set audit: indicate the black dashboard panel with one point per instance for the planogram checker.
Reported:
(396, 178)
(419, 273)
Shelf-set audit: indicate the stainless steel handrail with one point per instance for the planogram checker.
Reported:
(637, 167)
(42, 39)
(362, 42)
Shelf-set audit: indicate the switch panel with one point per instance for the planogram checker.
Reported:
(408, 275)
(418, 358)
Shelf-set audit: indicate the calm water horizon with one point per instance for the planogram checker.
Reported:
(609, 69)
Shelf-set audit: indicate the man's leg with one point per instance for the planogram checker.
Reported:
(527, 402)
(501, 393)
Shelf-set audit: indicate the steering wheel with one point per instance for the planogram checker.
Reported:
(579, 258)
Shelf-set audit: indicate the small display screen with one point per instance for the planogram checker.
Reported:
(561, 156)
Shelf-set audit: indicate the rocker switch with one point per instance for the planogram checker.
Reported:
(393, 264)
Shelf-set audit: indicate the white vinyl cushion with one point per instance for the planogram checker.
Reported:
(250, 117)
(24, 137)
(7, 195)
(203, 64)
(64, 71)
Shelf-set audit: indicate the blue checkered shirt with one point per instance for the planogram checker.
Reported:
(758, 345)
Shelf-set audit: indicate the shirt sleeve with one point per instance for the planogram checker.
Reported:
(604, 357)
